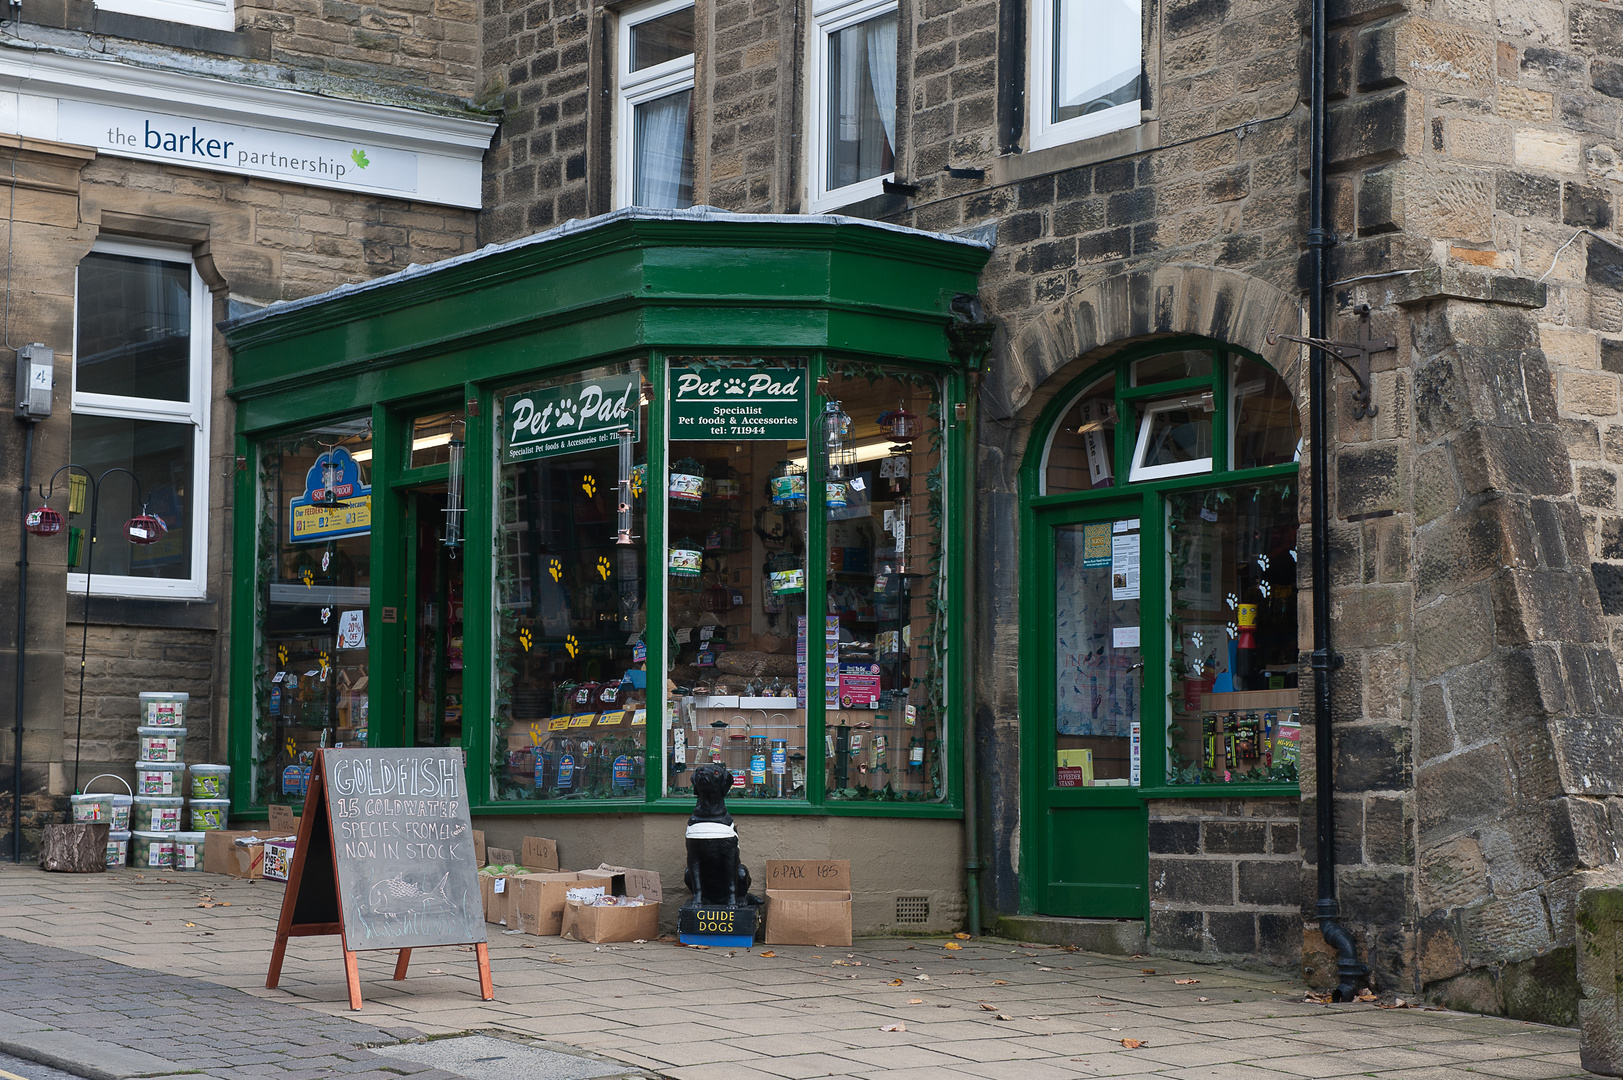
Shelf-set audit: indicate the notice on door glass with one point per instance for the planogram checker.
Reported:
(1124, 637)
(1124, 566)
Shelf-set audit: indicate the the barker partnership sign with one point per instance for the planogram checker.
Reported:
(738, 403)
(229, 148)
(567, 419)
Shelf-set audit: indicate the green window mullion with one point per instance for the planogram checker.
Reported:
(1155, 650)
(1171, 388)
(959, 492)
(657, 545)
(244, 617)
(1220, 414)
(1126, 428)
(386, 688)
(480, 455)
(816, 591)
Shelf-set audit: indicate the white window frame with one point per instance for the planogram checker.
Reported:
(1044, 132)
(194, 411)
(633, 88)
(214, 14)
(1141, 471)
(828, 18)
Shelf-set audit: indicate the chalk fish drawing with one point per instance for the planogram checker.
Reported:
(397, 896)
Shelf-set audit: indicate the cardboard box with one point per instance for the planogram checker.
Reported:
(221, 855)
(500, 856)
(494, 892)
(538, 853)
(478, 848)
(278, 859)
(582, 922)
(808, 902)
(626, 881)
(538, 902)
(282, 821)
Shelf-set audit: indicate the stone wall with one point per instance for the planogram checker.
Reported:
(1226, 880)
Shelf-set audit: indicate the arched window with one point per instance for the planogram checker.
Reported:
(1162, 517)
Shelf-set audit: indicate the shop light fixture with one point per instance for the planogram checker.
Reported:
(442, 439)
(871, 451)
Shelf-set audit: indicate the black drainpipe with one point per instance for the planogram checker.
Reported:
(1351, 971)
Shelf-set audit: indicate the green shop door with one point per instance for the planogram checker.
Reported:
(1093, 842)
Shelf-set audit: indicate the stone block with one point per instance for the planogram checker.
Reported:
(1387, 837)
(1442, 56)
(1476, 140)
(1513, 460)
(1436, 488)
(1551, 151)
(1369, 478)
(1568, 347)
(1371, 757)
(1380, 201)
(1270, 882)
(1587, 206)
(1177, 931)
(1232, 932)
(1434, 735)
(1521, 103)
(1174, 837)
(1460, 791)
(1236, 837)
(1191, 881)
(1371, 128)
(1452, 874)
(1455, 630)
(1589, 754)
(1589, 394)
(1469, 545)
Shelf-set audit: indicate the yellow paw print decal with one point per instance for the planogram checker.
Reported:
(292, 749)
(636, 481)
(556, 569)
(603, 567)
(526, 639)
(324, 660)
(309, 578)
(281, 655)
(571, 646)
(589, 485)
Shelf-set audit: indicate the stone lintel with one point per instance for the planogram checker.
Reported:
(1455, 283)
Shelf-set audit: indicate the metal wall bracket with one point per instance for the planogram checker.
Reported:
(1355, 358)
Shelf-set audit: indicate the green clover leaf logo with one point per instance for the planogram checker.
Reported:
(359, 158)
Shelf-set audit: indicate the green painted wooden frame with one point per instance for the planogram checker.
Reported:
(624, 288)
(1038, 513)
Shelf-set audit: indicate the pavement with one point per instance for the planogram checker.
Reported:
(172, 966)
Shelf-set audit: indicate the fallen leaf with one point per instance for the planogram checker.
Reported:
(435, 971)
(952, 945)
(999, 982)
(1366, 996)
(191, 924)
(1203, 999)
(895, 982)
(894, 1027)
(1045, 969)
(913, 1001)
(639, 941)
(1185, 982)
(769, 953)
(1134, 1044)
(988, 1008)
(1036, 1018)
(961, 937)
(922, 978)
(1147, 971)
(1004, 1016)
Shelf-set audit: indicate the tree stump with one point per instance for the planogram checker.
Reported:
(75, 849)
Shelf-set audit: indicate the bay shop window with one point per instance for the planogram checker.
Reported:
(681, 559)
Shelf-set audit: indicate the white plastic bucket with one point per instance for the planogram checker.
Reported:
(164, 709)
(156, 813)
(152, 850)
(189, 850)
(88, 808)
(158, 777)
(210, 813)
(120, 818)
(162, 743)
(209, 781)
(118, 848)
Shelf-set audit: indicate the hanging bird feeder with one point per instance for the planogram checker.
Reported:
(43, 522)
(145, 528)
(899, 424)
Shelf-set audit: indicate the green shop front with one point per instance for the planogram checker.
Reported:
(602, 505)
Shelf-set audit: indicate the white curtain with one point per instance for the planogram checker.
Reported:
(664, 158)
(882, 72)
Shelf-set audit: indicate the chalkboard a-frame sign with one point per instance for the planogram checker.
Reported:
(385, 857)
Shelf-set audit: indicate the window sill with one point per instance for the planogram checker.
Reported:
(1236, 789)
(1012, 168)
(736, 807)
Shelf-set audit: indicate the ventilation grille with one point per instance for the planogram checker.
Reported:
(912, 909)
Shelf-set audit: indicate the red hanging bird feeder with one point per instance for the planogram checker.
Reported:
(43, 522)
(899, 424)
(145, 529)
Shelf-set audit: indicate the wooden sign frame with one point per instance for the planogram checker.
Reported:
(311, 907)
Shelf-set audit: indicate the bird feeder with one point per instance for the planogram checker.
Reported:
(145, 528)
(43, 522)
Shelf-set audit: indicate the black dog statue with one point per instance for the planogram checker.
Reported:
(715, 876)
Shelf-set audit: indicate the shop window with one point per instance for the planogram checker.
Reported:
(1168, 367)
(432, 435)
(1232, 606)
(571, 686)
(312, 577)
(1082, 443)
(654, 119)
(885, 632)
(1174, 438)
(1086, 68)
(140, 403)
(1267, 429)
(853, 101)
(737, 573)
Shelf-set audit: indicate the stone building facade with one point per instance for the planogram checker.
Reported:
(1476, 545)
(194, 148)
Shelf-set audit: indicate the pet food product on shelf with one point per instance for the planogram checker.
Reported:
(163, 709)
(162, 743)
